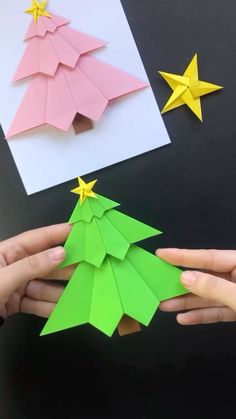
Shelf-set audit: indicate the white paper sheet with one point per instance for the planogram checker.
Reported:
(131, 126)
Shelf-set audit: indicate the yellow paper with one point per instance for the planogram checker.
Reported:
(85, 190)
(188, 89)
(38, 9)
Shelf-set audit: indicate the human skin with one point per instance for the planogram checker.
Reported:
(27, 263)
(211, 283)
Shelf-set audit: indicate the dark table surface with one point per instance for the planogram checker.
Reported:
(167, 371)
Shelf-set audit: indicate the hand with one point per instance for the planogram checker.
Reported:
(213, 291)
(26, 261)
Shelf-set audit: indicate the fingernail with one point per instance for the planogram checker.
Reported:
(167, 249)
(188, 278)
(160, 251)
(57, 254)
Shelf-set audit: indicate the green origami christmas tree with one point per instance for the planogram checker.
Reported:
(116, 284)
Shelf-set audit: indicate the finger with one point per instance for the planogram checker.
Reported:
(38, 308)
(33, 241)
(207, 316)
(31, 267)
(61, 274)
(210, 287)
(187, 302)
(41, 291)
(211, 260)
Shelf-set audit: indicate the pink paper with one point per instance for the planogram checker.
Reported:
(82, 42)
(30, 62)
(89, 101)
(34, 104)
(43, 55)
(61, 109)
(66, 80)
(39, 57)
(45, 24)
(66, 54)
(111, 81)
(86, 90)
(48, 59)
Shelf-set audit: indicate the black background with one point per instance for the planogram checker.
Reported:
(188, 191)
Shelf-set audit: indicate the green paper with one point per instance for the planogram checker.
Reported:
(114, 243)
(114, 277)
(89, 296)
(138, 300)
(74, 250)
(134, 286)
(105, 300)
(92, 207)
(73, 308)
(101, 204)
(110, 235)
(95, 251)
(161, 277)
(133, 230)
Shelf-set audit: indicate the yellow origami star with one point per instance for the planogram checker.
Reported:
(85, 190)
(38, 9)
(188, 89)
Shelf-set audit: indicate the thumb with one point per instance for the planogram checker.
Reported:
(210, 287)
(31, 267)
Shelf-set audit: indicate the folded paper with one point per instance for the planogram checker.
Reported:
(114, 279)
(64, 45)
(65, 81)
(86, 90)
(188, 89)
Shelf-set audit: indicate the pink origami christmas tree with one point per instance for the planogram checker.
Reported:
(67, 85)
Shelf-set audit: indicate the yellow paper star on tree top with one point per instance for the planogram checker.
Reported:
(85, 190)
(38, 9)
(188, 89)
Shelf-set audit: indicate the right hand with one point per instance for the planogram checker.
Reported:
(212, 297)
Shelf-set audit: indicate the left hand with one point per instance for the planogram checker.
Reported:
(27, 262)
(212, 297)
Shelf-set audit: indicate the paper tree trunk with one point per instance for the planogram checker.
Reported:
(116, 283)
(67, 84)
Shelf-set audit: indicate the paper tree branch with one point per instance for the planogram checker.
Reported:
(44, 54)
(110, 235)
(44, 25)
(102, 296)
